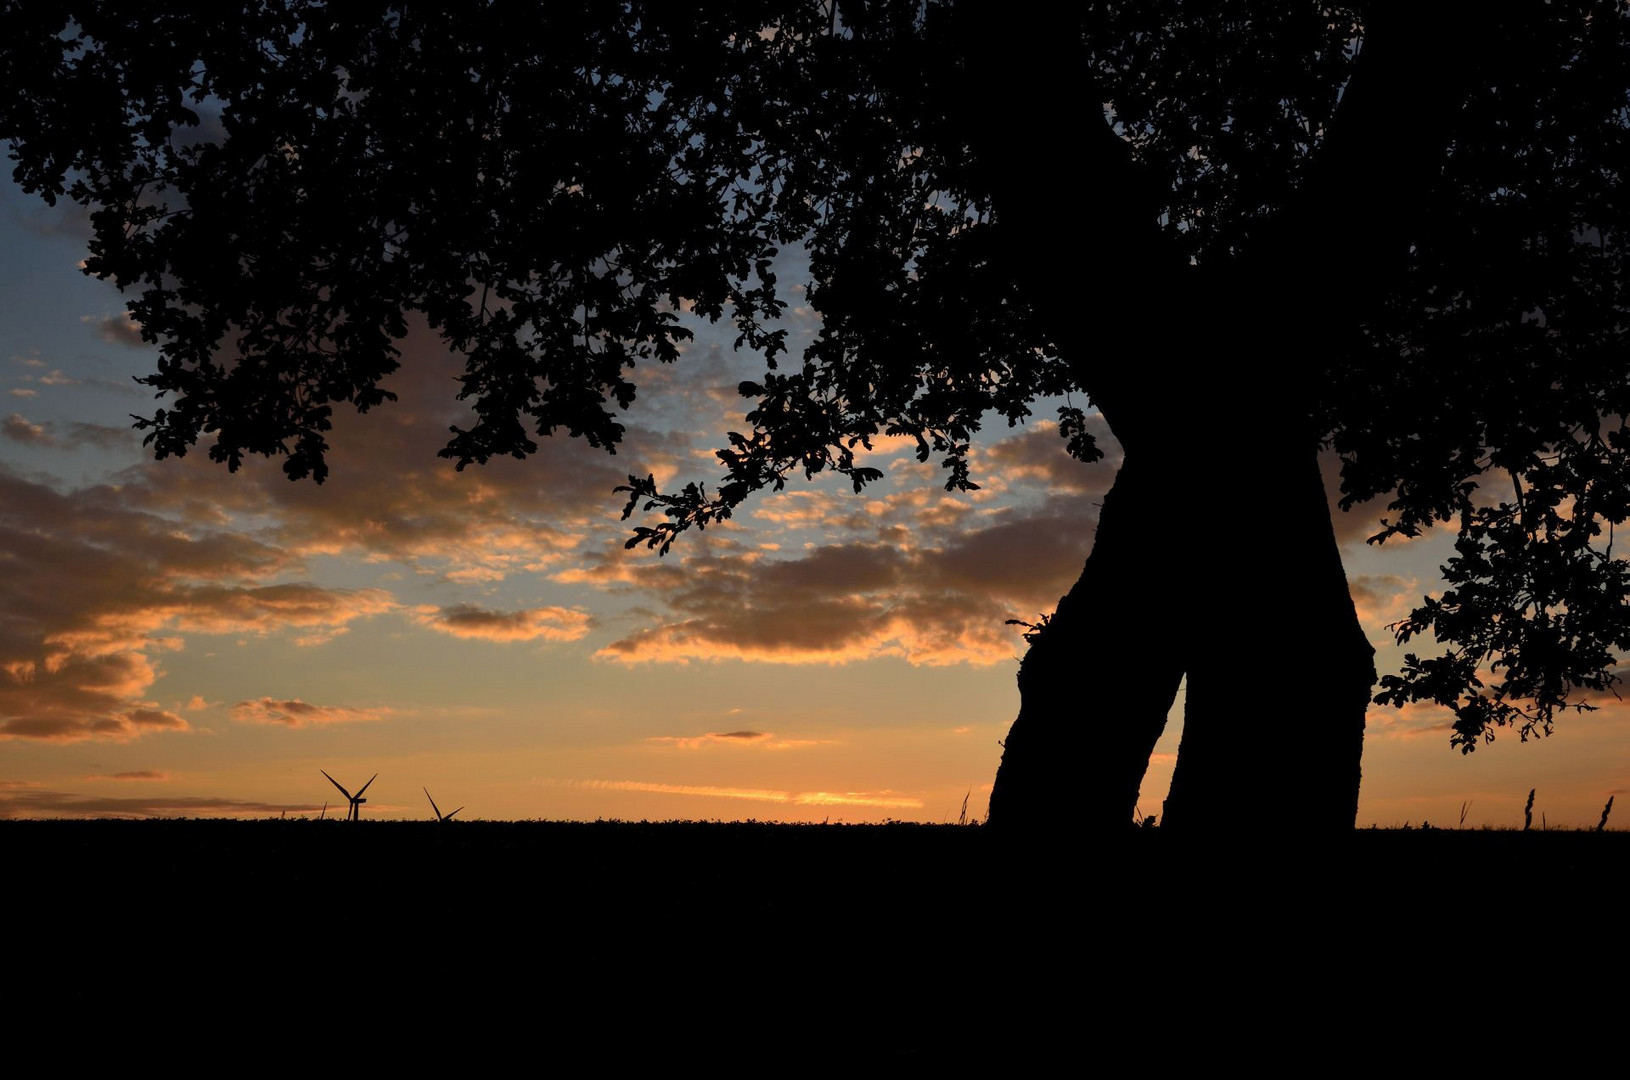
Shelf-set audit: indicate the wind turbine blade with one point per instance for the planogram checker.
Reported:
(371, 779)
(336, 783)
(450, 816)
(433, 805)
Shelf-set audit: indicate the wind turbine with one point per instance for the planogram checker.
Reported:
(356, 800)
(439, 815)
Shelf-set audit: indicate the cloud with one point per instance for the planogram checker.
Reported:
(17, 428)
(884, 799)
(139, 774)
(295, 713)
(64, 218)
(94, 590)
(34, 803)
(389, 496)
(1411, 721)
(1039, 455)
(761, 740)
(916, 573)
(62, 724)
(934, 596)
(1381, 599)
(469, 621)
(802, 508)
(117, 329)
(215, 609)
(100, 436)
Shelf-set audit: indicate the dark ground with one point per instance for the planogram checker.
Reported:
(478, 946)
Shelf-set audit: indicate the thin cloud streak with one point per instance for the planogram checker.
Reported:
(791, 798)
(470, 621)
(27, 803)
(757, 740)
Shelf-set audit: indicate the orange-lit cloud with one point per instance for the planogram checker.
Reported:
(860, 632)
(798, 509)
(759, 740)
(139, 774)
(469, 621)
(389, 496)
(98, 589)
(1381, 599)
(883, 799)
(944, 600)
(268, 608)
(295, 713)
(916, 573)
(63, 725)
(35, 803)
(1409, 722)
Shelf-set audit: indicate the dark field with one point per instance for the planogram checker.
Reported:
(781, 948)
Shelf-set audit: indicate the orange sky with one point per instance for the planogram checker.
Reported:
(176, 639)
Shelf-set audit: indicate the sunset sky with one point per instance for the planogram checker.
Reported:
(179, 640)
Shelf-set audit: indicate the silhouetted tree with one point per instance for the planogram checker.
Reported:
(1243, 231)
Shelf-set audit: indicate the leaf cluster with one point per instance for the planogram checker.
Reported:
(284, 185)
(1499, 362)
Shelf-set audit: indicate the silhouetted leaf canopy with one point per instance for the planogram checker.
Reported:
(1434, 198)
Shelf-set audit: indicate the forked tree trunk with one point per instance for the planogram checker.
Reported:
(1261, 621)
(1218, 557)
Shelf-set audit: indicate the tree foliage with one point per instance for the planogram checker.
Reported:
(283, 184)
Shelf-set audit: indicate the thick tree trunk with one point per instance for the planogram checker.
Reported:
(1100, 677)
(1261, 621)
(1217, 558)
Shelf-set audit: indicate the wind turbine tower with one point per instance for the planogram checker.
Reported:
(356, 800)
